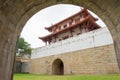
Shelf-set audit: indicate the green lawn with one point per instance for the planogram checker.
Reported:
(66, 77)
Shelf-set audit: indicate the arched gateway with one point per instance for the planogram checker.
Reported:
(58, 67)
(15, 13)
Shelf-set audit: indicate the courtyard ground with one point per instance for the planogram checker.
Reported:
(65, 77)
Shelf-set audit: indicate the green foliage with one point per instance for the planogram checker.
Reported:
(23, 47)
(66, 77)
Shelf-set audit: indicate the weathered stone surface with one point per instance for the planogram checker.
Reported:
(15, 13)
(98, 60)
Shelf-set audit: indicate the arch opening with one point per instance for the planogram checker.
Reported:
(58, 67)
(109, 15)
(44, 15)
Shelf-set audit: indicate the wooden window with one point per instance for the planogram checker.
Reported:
(77, 19)
(65, 26)
(59, 27)
(54, 29)
(70, 23)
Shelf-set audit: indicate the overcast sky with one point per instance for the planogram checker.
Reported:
(34, 27)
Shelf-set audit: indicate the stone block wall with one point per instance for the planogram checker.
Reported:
(97, 60)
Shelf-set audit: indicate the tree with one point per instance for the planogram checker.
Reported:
(23, 48)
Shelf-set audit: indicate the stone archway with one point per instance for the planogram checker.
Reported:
(58, 67)
(15, 13)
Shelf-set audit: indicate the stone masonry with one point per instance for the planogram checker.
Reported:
(15, 13)
(88, 53)
(98, 60)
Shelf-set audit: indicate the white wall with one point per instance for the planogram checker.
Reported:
(99, 37)
(25, 67)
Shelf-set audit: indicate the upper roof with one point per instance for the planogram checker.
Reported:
(83, 10)
(67, 28)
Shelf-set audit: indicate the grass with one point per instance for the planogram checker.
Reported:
(66, 77)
